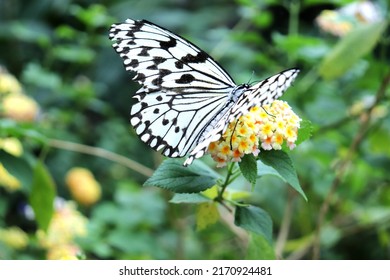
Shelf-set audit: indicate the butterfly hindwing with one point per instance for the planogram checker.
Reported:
(260, 94)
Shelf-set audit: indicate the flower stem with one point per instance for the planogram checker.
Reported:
(227, 181)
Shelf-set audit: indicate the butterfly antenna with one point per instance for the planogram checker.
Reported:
(267, 112)
(250, 79)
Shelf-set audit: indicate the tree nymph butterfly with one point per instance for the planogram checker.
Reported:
(186, 99)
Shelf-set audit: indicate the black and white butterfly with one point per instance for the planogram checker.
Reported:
(186, 100)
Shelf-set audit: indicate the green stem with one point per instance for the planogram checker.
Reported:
(227, 181)
(294, 18)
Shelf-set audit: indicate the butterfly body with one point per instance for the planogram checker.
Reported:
(186, 99)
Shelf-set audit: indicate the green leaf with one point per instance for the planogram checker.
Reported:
(189, 198)
(18, 167)
(248, 167)
(305, 131)
(42, 196)
(254, 219)
(350, 49)
(73, 53)
(259, 249)
(282, 164)
(173, 176)
(36, 75)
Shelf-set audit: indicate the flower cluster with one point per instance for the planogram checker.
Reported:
(14, 147)
(267, 127)
(14, 237)
(66, 225)
(14, 103)
(342, 21)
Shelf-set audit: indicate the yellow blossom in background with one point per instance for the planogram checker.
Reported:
(14, 237)
(19, 107)
(9, 84)
(83, 186)
(267, 127)
(8, 181)
(66, 225)
(63, 252)
(14, 104)
(342, 21)
(12, 146)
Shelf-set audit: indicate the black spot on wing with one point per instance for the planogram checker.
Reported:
(185, 79)
(157, 81)
(179, 64)
(144, 105)
(152, 67)
(158, 60)
(133, 63)
(144, 51)
(200, 57)
(140, 78)
(126, 49)
(164, 72)
(166, 45)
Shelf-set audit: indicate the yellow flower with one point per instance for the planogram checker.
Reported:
(12, 146)
(9, 84)
(19, 107)
(268, 127)
(66, 224)
(14, 237)
(83, 186)
(8, 181)
(63, 252)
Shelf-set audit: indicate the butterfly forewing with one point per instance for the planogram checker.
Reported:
(182, 87)
(186, 99)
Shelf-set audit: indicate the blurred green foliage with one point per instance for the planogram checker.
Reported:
(61, 54)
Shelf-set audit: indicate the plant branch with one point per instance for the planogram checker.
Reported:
(344, 164)
(99, 152)
(285, 226)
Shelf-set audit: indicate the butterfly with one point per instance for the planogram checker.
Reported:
(186, 99)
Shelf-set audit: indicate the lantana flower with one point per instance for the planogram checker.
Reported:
(267, 127)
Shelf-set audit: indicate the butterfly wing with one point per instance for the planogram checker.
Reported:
(183, 88)
(259, 94)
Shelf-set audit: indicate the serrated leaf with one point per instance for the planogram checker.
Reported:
(248, 167)
(206, 214)
(173, 176)
(259, 248)
(42, 196)
(254, 219)
(189, 198)
(282, 164)
(18, 167)
(350, 49)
